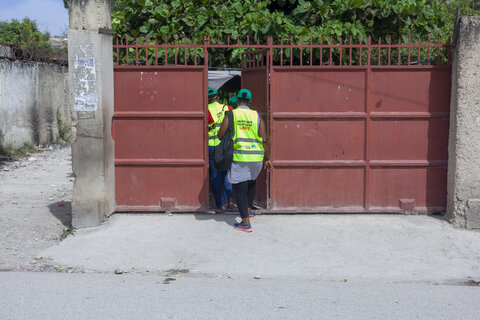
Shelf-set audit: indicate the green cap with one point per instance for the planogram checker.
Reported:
(233, 101)
(212, 92)
(244, 94)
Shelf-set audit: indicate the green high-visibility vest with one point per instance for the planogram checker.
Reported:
(247, 144)
(217, 111)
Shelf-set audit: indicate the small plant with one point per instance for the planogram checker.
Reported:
(63, 129)
(66, 232)
(27, 149)
(24, 151)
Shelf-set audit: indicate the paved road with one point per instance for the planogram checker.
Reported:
(324, 247)
(101, 296)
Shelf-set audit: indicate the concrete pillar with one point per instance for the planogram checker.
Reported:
(463, 207)
(91, 93)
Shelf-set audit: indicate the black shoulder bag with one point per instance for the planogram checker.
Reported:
(223, 154)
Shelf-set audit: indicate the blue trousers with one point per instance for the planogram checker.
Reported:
(222, 189)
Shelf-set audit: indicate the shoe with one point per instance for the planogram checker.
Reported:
(243, 227)
(252, 215)
(231, 204)
(220, 210)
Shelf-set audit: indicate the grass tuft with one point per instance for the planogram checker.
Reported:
(66, 232)
(63, 129)
(24, 151)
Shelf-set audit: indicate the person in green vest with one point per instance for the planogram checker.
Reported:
(248, 156)
(222, 189)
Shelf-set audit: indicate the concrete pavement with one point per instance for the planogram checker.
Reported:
(52, 296)
(392, 248)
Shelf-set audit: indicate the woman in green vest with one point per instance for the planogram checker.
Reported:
(248, 155)
(222, 189)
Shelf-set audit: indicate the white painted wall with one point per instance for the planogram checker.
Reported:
(30, 94)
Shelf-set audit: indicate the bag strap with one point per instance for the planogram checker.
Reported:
(231, 125)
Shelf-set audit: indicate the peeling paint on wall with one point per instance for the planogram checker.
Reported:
(85, 85)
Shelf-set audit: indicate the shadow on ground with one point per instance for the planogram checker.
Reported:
(5, 162)
(438, 216)
(62, 213)
(227, 218)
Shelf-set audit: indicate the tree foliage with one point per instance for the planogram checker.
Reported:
(281, 18)
(25, 34)
(467, 8)
(300, 19)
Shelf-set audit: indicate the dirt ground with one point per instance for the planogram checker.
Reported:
(35, 205)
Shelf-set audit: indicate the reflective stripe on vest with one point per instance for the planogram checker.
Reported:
(217, 111)
(247, 144)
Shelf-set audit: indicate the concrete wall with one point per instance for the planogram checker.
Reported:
(30, 95)
(90, 57)
(463, 201)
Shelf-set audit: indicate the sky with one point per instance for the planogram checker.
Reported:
(50, 15)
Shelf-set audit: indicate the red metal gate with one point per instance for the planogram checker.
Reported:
(353, 127)
(255, 73)
(364, 137)
(159, 128)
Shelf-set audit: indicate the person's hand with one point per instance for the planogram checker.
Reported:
(268, 165)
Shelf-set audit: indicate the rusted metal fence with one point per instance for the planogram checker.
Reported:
(16, 53)
(357, 127)
(370, 53)
(146, 51)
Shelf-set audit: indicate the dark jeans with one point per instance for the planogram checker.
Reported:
(218, 179)
(244, 194)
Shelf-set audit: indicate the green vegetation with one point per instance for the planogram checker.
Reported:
(300, 19)
(467, 8)
(66, 232)
(24, 151)
(25, 34)
(283, 19)
(63, 129)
